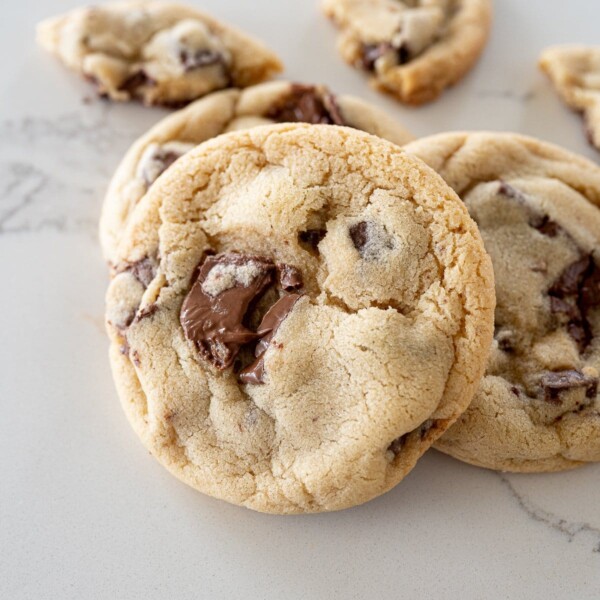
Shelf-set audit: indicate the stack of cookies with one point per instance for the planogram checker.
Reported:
(304, 299)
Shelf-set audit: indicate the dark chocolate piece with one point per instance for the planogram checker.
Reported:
(214, 322)
(358, 234)
(311, 237)
(305, 104)
(290, 278)
(555, 382)
(371, 53)
(135, 81)
(255, 372)
(143, 270)
(574, 294)
(543, 223)
(163, 156)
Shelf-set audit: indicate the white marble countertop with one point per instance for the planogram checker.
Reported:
(85, 512)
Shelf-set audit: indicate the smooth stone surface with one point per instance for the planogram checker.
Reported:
(85, 512)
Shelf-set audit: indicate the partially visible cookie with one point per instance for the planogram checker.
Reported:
(537, 207)
(155, 51)
(299, 312)
(225, 111)
(413, 49)
(575, 73)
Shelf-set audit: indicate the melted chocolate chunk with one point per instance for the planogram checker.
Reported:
(358, 234)
(213, 312)
(197, 59)
(305, 104)
(255, 372)
(574, 294)
(371, 53)
(166, 158)
(311, 237)
(135, 81)
(553, 383)
(290, 278)
(143, 270)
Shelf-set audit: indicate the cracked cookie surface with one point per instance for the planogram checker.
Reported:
(218, 113)
(157, 52)
(412, 49)
(537, 207)
(300, 311)
(575, 73)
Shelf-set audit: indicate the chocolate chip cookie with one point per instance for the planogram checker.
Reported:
(537, 408)
(575, 73)
(299, 312)
(157, 52)
(412, 49)
(225, 111)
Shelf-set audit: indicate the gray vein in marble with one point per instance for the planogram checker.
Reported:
(523, 97)
(569, 529)
(54, 171)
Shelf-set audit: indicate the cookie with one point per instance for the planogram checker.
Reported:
(536, 205)
(221, 112)
(300, 311)
(575, 73)
(412, 49)
(157, 52)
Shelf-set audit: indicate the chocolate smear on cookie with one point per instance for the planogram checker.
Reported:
(255, 372)
(307, 104)
(213, 312)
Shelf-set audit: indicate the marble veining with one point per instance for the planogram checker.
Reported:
(566, 527)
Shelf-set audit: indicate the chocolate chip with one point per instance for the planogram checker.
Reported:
(290, 278)
(145, 312)
(371, 53)
(358, 234)
(135, 81)
(311, 237)
(543, 223)
(197, 59)
(143, 270)
(571, 278)
(213, 312)
(515, 390)
(306, 104)
(396, 446)
(555, 382)
(505, 339)
(574, 294)
(255, 372)
(403, 54)
(370, 239)
(509, 191)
